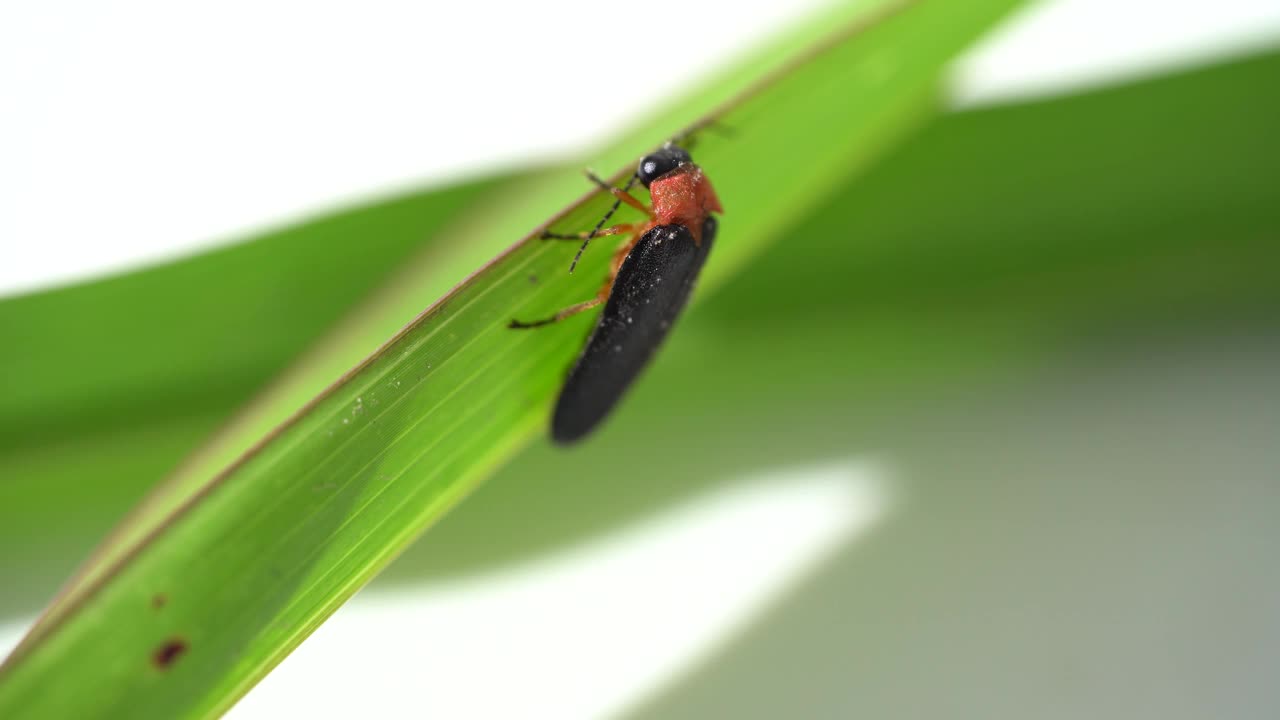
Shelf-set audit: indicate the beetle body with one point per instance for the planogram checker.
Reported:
(650, 280)
(651, 288)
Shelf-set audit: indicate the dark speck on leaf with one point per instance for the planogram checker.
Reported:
(159, 600)
(168, 653)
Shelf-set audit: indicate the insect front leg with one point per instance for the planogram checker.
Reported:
(620, 195)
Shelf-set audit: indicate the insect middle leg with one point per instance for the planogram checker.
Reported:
(621, 229)
(599, 299)
(563, 314)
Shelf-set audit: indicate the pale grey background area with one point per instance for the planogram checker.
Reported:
(1102, 544)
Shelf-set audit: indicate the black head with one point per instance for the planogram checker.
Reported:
(660, 162)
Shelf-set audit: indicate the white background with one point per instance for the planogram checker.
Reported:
(136, 131)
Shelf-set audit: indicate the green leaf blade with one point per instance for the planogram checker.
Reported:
(240, 568)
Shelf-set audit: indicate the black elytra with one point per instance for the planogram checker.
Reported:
(652, 287)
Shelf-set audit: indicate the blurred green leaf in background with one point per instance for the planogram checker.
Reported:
(847, 310)
(223, 571)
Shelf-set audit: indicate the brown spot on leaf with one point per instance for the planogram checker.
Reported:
(168, 653)
(159, 600)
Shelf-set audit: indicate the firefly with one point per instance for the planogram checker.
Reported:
(650, 279)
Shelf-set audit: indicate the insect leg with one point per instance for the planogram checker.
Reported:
(603, 296)
(688, 137)
(619, 256)
(621, 194)
(565, 313)
(614, 230)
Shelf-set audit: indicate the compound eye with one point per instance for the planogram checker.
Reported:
(654, 166)
(657, 164)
